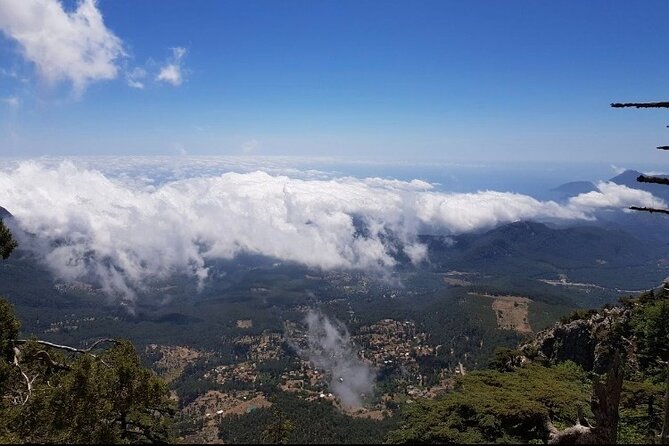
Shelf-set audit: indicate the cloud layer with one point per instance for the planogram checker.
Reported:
(64, 46)
(121, 231)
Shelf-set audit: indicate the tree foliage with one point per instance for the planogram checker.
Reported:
(489, 406)
(7, 242)
(294, 420)
(510, 402)
(650, 323)
(60, 394)
(106, 398)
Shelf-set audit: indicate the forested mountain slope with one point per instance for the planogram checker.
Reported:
(605, 368)
(54, 393)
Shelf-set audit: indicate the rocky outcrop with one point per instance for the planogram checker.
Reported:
(599, 343)
(584, 341)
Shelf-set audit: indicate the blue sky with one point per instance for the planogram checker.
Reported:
(452, 81)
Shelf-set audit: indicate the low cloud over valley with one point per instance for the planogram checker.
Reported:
(121, 231)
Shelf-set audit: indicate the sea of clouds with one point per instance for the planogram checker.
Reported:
(122, 222)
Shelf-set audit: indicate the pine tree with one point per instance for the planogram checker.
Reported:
(7, 242)
(54, 393)
(664, 436)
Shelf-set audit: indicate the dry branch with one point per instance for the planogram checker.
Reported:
(640, 104)
(651, 210)
(67, 347)
(653, 180)
(29, 382)
(44, 356)
(571, 435)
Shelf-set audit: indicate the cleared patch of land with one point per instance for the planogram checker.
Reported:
(173, 359)
(512, 312)
(245, 323)
(257, 402)
(214, 405)
(218, 404)
(457, 278)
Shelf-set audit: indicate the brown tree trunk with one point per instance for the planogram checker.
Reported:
(604, 403)
(606, 400)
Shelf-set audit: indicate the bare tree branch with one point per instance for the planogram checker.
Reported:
(29, 382)
(44, 356)
(570, 435)
(651, 210)
(651, 179)
(640, 104)
(67, 347)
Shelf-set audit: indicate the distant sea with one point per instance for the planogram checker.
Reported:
(534, 179)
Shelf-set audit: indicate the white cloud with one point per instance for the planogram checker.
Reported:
(617, 169)
(135, 77)
(172, 71)
(123, 231)
(171, 74)
(65, 46)
(331, 350)
(612, 195)
(12, 101)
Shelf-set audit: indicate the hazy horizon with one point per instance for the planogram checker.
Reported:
(532, 177)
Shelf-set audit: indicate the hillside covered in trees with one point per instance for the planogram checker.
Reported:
(60, 394)
(595, 377)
